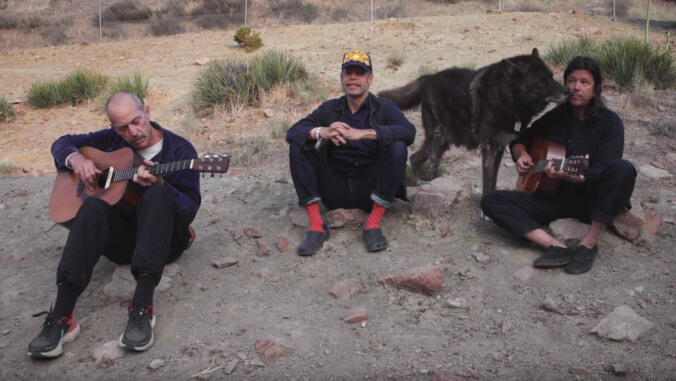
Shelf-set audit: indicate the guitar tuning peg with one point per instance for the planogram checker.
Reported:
(212, 174)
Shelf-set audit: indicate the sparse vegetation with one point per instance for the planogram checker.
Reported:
(629, 63)
(125, 10)
(309, 12)
(8, 167)
(395, 60)
(136, 82)
(6, 111)
(76, 87)
(248, 39)
(164, 26)
(276, 67)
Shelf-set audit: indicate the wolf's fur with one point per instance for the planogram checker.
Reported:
(473, 108)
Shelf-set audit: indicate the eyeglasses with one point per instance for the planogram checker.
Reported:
(357, 57)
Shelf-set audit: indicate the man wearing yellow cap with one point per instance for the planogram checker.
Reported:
(350, 153)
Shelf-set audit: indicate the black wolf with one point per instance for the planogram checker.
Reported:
(473, 108)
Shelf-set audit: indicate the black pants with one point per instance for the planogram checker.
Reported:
(315, 179)
(156, 235)
(520, 212)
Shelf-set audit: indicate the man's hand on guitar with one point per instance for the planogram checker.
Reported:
(84, 169)
(524, 164)
(560, 174)
(144, 178)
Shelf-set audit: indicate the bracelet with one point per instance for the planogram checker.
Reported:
(317, 130)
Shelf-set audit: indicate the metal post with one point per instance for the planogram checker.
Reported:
(246, 10)
(100, 25)
(613, 9)
(499, 5)
(371, 10)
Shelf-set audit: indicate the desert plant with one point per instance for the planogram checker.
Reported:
(395, 60)
(136, 82)
(164, 26)
(8, 167)
(632, 64)
(83, 84)
(310, 90)
(340, 14)
(55, 33)
(228, 7)
(276, 67)
(6, 111)
(560, 54)
(45, 94)
(223, 83)
(248, 39)
(309, 12)
(125, 10)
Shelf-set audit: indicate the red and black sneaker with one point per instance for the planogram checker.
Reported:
(139, 333)
(54, 333)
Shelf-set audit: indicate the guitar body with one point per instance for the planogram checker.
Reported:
(69, 193)
(538, 182)
(114, 184)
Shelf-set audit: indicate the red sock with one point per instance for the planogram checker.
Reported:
(376, 215)
(315, 217)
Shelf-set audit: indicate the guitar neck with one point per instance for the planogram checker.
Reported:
(540, 165)
(157, 169)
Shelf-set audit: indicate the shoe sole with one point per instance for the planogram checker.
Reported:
(143, 347)
(71, 335)
(307, 253)
(550, 264)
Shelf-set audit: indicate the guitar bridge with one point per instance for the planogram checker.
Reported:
(105, 178)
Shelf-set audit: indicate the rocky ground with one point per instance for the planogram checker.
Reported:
(453, 297)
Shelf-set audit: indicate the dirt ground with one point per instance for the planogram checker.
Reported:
(210, 320)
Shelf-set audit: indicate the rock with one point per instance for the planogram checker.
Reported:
(252, 232)
(231, 366)
(523, 273)
(445, 229)
(356, 315)
(436, 198)
(622, 324)
(345, 288)
(298, 217)
(481, 258)
(107, 354)
(271, 350)
(568, 228)
(223, 262)
(618, 369)
(578, 371)
(202, 61)
(629, 224)
(156, 364)
(426, 280)
(551, 305)
(283, 244)
(345, 218)
(263, 250)
(653, 173)
(458, 302)
(652, 222)
(238, 234)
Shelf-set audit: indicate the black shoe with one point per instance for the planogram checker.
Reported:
(375, 240)
(583, 260)
(555, 256)
(313, 241)
(139, 333)
(54, 333)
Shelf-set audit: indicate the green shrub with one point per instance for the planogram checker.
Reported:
(55, 32)
(395, 60)
(248, 39)
(228, 7)
(78, 86)
(562, 53)
(310, 91)
(632, 64)
(136, 82)
(275, 67)
(6, 111)
(164, 26)
(309, 12)
(8, 167)
(223, 83)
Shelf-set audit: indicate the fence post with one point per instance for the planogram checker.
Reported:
(371, 10)
(246, 10)
(100, 25)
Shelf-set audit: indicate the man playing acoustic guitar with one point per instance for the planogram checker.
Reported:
(152, 234)
(584, 126)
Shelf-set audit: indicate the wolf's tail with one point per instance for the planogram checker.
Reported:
(407, 96)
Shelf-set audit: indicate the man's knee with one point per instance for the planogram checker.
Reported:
(621, 168)
(397, 152)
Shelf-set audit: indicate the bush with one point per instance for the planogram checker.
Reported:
(6, 112)
(561, 54)
(228, 7)
(274, 67)
(136, 82)
(632, 63)
(340, 14)
(55, 33)
(162, 26)
(125, 10)
(76, 87)
(248, 39)
(395, 60)
(309, 12)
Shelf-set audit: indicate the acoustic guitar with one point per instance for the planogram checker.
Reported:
(113, 185)
(543, 152)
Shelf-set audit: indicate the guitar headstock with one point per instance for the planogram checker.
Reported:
(213, 164)
(576, 165)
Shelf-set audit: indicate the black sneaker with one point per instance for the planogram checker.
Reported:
(555, 256)
(54, 333)
(139, 333)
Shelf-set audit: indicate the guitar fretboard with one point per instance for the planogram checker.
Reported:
(157, 169)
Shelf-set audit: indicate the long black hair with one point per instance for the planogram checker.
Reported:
(596, 104)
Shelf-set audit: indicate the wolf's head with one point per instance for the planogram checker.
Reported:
(532, 83)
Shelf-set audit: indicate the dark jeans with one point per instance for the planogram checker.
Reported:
(315, 179)
(520, 212)
(156, 235)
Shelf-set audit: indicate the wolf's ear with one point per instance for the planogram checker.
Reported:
(536, 53)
